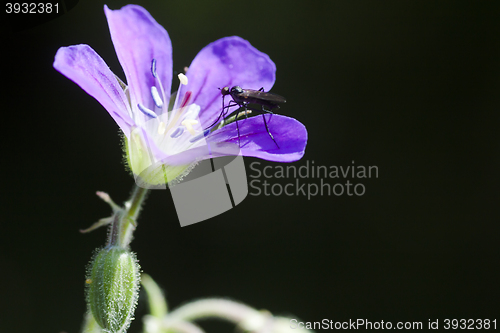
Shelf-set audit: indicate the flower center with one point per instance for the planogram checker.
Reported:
(175, 123)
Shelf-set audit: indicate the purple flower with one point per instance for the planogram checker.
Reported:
(177, 138)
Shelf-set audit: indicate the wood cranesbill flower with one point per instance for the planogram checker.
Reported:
(166, 134)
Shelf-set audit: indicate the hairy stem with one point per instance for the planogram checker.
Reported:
(124, 222)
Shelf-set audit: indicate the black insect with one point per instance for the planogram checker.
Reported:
(244, 97)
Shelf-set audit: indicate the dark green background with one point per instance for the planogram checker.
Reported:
(409, 86)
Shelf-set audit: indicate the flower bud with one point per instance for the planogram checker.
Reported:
(113, 288)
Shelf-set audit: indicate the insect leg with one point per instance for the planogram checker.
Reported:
(246, 113)
(238, 126)
(267, 111)
(267, 128)
(264, 111)
(222, 114)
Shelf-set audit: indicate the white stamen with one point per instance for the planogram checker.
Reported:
(146, 111)
(156, 97)
(161, 128)
(183, 78)
(177, 133)
(188, 123)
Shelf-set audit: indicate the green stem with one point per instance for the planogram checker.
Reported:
(220, 308)
(124, 222)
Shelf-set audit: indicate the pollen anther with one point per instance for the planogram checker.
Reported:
(146, 111)
(156, 97)
(183, 78)
(177, 132)
(188, 123)
(161, 128)
(153, 68)
(200, 136)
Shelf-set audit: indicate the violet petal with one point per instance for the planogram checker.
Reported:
(82, 65)
(138, 39)
(289, 133)
(226, 62)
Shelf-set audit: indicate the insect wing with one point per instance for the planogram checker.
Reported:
(265, 96)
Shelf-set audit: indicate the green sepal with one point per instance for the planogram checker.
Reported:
(113, 280)
(148, 173)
